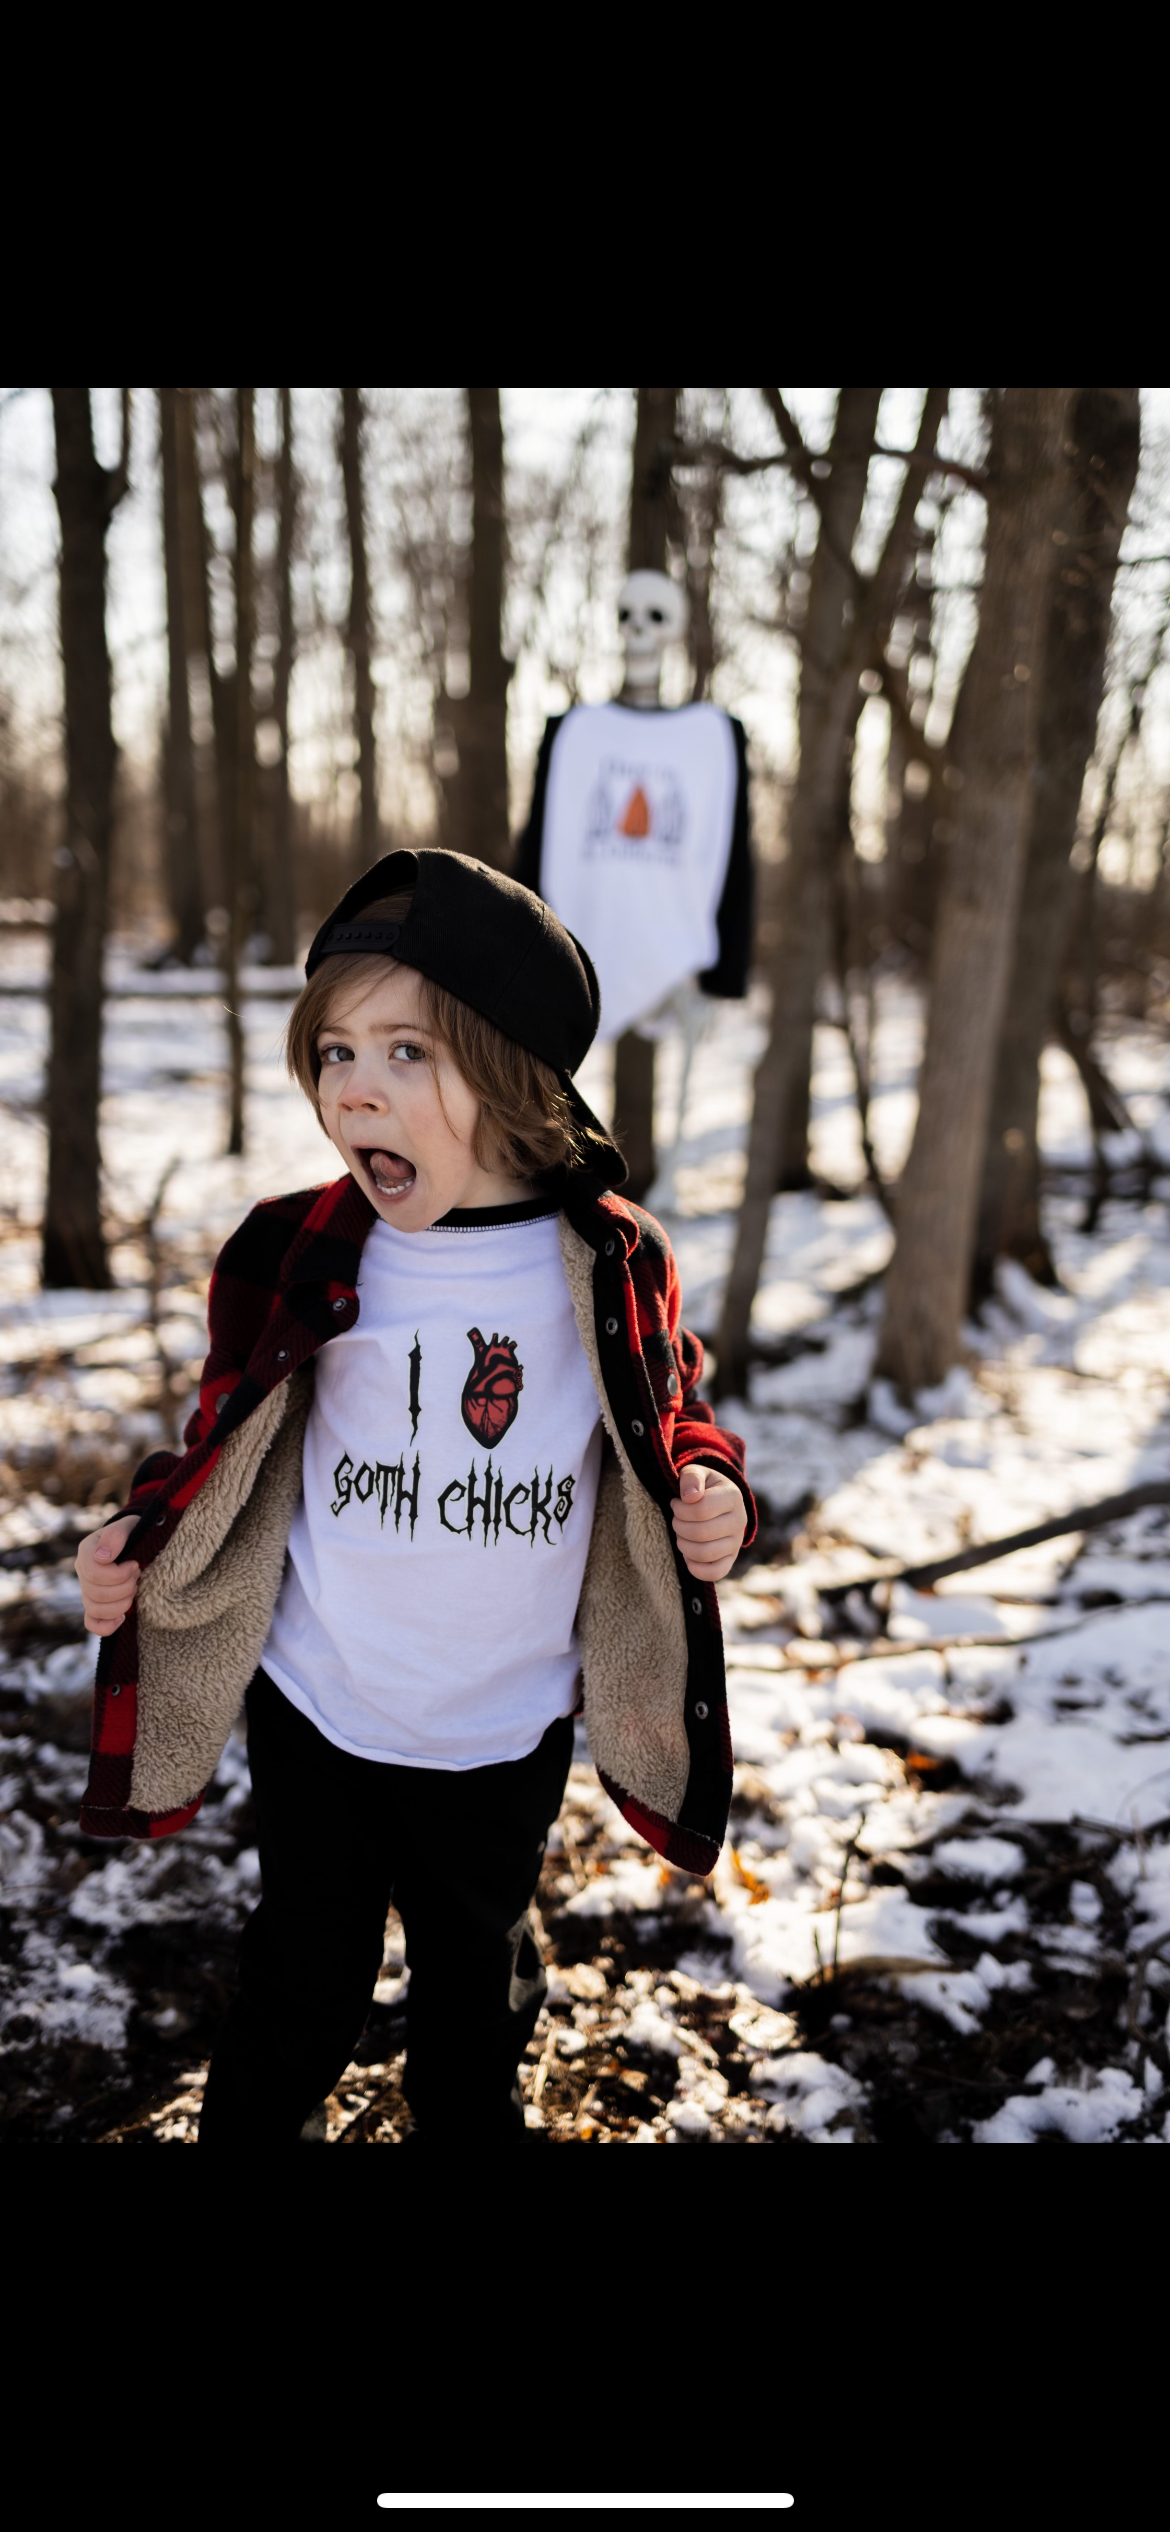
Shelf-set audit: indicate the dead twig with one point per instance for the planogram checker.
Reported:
(544, 2067)
(156, 1269)
(1083, 1516)
(1147, 2045)
(850, 1852)
(573, 1851)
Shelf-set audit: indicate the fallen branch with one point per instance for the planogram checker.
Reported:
(1084, 1516)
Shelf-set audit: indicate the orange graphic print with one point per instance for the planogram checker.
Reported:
(635, 818)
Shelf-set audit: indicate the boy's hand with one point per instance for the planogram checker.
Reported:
(107, 1589)
(710, 1517)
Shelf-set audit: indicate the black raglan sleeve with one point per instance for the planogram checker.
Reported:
(526, 859)
(728, 978)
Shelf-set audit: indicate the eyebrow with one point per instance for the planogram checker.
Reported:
(381, 1028)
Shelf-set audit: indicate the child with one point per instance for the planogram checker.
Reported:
(447, 1484)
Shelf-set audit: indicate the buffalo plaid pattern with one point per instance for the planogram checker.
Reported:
(285, 1283)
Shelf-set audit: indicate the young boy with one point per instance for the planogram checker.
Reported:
(447, 1484)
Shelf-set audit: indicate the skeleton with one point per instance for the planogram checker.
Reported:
(653, 611)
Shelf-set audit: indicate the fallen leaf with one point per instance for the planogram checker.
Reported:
(751, 1881)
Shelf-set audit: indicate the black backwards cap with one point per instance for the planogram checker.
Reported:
(495, 946)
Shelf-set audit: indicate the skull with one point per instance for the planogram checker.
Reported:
(652, 611)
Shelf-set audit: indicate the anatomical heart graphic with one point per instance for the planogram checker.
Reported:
(491, 1391)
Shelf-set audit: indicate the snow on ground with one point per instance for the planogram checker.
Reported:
(939, 1913)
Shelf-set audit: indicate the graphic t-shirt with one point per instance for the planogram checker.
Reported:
(637, 834)
(451, 1462)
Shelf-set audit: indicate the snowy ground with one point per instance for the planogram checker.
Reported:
(949, 1872)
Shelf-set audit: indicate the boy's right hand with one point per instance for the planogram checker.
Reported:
(107, 1589)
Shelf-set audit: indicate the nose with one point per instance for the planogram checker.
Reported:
(364, 1090)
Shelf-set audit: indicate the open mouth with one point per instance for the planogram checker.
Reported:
(392, 1175)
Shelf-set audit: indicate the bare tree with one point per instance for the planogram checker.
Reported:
(181, 861)
(845, 632)
(654, 515)
(87, 495)
(701, 509)
(238, 842)
(283, 894)
(1078, 1022)
(911, 853)
(654, 521)
(1096, 489)
(478, 792)
(359, 641)
(971, 962)
(205, 686)
(825, 640)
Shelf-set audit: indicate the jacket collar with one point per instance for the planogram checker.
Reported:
(328, 1246)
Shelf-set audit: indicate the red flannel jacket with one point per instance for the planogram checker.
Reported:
(284, 1284)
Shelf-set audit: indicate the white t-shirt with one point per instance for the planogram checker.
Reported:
(451, 1462)
(637, 837)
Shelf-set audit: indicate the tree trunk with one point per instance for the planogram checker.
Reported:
(633, 1110)
(653, 507)
(184, 878)
(794, 1171)
(87, 494)
(652, 521)
(283, 910)
(239, 855)
(480, 718)
(702, 523)
(1096, 488)
(205, 686)
(971, 958)
(802, 945)
(911, 873)
(368, 837)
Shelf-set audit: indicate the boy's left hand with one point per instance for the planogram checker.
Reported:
(710, 1517)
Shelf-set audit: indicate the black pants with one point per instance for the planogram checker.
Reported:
(339, 1838)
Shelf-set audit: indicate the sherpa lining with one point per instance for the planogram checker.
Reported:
(630, 1620)
(205, 1605)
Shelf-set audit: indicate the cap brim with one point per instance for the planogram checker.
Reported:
(600, 1151)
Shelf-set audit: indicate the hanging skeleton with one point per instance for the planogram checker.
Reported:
(639, 839)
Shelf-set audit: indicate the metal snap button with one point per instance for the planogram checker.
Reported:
(609, 1248)
(637, 1428)
(611, 1327)
(697, 1606)
(701, 1711)
(341, 1305)
(161, 1522)
(221, 1402)
(672, 1384)
(282, 1357)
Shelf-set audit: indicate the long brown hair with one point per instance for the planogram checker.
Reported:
(525, 1124)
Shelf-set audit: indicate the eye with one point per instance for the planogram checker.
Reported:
(335, 1055)
(655, 615)
(623, 615)
(413, 1054)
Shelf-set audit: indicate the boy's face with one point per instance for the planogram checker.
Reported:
(398, 1110)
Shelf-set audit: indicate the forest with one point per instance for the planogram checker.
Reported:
(915, 1176)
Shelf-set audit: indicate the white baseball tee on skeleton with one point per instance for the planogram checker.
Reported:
(635, 847)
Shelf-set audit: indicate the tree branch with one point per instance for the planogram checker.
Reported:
(1084, 1516)
(975, 476)
(117, 477)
